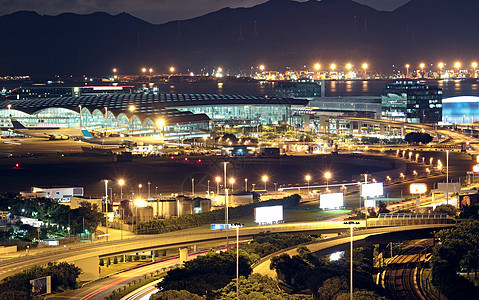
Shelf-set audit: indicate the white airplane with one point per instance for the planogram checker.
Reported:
(128, 141)
(52, 134)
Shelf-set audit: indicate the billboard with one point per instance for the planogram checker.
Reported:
(418, 188)
(370, 203)
(454, 187)
(372, 189)
(331, 201)
(268, 214)
(42, 285)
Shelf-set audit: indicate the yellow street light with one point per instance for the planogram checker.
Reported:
(220, 70)
(150, 70)
(265, 179)
(121, 182)
(160, 122)
(365, 66)
(232, 182)
(131, 108)
(457, 65)
(143, 70)
(317, 67)
(172, 69)
(261, 67)
(327, 175)
(422, 65)
(349, 66)
(407, 70)
(308, 178)
(440, 65)
(114, 70)
(218, 180)
(333, 67)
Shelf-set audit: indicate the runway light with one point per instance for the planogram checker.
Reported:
(17, 165)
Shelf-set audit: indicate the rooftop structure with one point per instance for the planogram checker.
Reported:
(412, 102)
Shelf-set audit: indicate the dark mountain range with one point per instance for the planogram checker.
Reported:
(278, 33)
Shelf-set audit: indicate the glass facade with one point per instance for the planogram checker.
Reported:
(412, 102)
(250, 114)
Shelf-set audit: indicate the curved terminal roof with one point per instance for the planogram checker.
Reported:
(147, 105)
(461, 99)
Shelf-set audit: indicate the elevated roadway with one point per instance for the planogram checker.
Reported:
(263, 266)
(175, 239)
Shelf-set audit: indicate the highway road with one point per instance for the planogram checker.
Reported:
(102, 288)
(162, 241)
(263, 266)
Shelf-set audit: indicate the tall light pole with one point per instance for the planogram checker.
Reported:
(121, 182)
(139, 190)
(224, 173)
(308, 178)
(422, 65)
(106, 207)
(81, 125)
(161, 124)
(226, 215)
(265, 179)
(327, 175)
(447, 177)
(246, 184)
(208, 190)
(217, 179)
(351, 226)
(407, 70)
(232, 183)
(9, 106)
(365, 68)
(149, 184)
(193, 186)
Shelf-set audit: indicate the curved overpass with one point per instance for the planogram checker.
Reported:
(168, 240)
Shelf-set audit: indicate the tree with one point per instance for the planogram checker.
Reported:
(256, 286)
(175, 295)
(206, 273)
(446, 209)
(418, 138)
(361, 295)
(333, 286)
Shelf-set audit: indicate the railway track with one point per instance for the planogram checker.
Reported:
(401, 276)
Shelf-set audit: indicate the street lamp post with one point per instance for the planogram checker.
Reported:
(121, 182)
(327, 175)
(246, 184)
(351, 226)
(139, 190)
(149, 184)
(106, 207)
(232, 183)
(447, 176)
(226, 215)
(308, 178)
(193, 186)
(265, 179)
(407, 70)
(217, 179)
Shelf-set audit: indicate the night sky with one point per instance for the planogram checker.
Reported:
(154, 11)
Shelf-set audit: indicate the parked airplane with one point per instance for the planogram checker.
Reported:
(52, 134)
(128, 141)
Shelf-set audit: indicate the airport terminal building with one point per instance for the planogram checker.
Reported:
(140, 113)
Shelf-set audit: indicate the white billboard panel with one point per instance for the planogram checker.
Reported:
(370, 203)
(331, 201)
(268, 214)
(418, 188)
(454, 187)
(372, 189)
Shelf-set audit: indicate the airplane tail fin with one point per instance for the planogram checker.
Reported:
(16, 124)
(86, 134)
